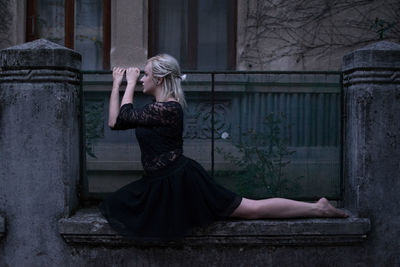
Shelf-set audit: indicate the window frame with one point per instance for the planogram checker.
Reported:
(193, 32)
(31, 32)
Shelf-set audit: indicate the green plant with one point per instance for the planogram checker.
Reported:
(93, 124)
(381, 26)
(263, 158)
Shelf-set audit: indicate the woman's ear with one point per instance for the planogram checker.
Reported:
(159, 81)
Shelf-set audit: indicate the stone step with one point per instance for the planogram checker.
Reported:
(89, 227)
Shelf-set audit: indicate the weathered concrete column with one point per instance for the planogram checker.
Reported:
(128, 33)
(39, 150)
(372, 145)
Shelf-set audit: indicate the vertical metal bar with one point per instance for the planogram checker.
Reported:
(31, 18)
(212, 123)
(84, 188)
(192, 34)
(69, 20)
(231, 29)
(106, 34)
(341, 137)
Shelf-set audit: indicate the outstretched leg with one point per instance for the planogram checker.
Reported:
(285, 208)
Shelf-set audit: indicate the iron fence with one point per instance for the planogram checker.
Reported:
(311, 100)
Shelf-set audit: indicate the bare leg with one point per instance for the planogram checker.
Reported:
(285, 208)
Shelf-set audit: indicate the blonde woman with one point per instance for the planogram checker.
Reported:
(175, 192)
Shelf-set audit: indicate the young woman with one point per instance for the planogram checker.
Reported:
(175, 192)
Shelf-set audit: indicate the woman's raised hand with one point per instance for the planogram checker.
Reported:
(132, 74)
(118, 75)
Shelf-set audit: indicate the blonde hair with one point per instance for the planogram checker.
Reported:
(167, 67)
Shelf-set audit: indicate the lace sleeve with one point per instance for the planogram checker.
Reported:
(153, 114)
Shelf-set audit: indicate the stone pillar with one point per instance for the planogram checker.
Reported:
(372, 145)
(39, 150)
(128, 33)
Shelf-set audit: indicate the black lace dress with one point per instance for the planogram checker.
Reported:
(175, 192)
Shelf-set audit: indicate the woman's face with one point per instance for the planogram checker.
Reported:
(147, 80)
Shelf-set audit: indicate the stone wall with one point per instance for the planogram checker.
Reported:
(39, 150)
(40, 169)
(129, 33)
(309, 35)
(372, 145)
(271, 35)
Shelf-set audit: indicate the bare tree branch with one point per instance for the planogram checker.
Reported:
(312, 28)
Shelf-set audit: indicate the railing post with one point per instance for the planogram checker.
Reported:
(212, 122)
(39, 149)
(83, 183)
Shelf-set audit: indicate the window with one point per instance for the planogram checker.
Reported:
(80, 25)
(201, 35)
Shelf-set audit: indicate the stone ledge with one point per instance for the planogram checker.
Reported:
(88, 227)
(2, 227)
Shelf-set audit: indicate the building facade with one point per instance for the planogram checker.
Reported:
(204, 34)
(42, 219)
(209, 35)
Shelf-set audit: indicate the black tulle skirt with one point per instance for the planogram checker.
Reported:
(164, 204)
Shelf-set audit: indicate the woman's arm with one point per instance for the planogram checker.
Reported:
(118, 75)
(132, 75)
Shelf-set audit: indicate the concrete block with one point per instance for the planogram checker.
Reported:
(89, 227)
(371, 152)
(40, 124)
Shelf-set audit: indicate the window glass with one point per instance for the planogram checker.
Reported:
(50, 20)
(171, 28)
(193, 32)
(212, 30)
(89, 33)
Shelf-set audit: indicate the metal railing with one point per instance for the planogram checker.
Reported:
(214, 80)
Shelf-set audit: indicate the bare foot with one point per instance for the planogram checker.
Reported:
(325, 209)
